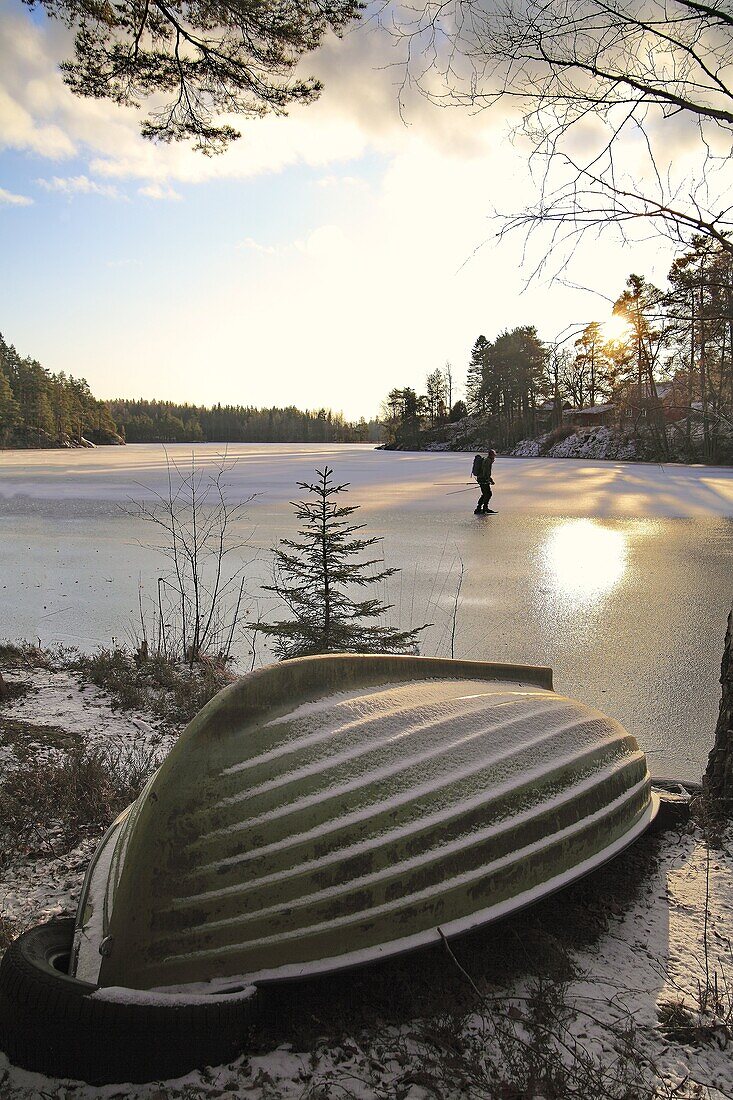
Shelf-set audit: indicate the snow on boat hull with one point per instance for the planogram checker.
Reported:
(331, 810)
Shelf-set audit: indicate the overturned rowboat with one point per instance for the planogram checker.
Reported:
(318, 814)
(334, 810)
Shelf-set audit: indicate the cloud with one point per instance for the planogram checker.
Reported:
(328, 242)
(38, 113)
(159, 191)
(251, 245)
(365, 108)
(358, 112)
(14, 200)
(20, 130)
(80, 185)
(325, 243)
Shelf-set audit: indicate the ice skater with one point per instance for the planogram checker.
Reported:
(482, 467)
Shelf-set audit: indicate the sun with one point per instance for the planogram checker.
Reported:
(616, 329)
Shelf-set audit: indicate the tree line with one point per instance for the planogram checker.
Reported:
(166, 422)
(42, 409)
(38, 408)
(664, 356)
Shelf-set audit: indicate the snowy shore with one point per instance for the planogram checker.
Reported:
(637, 950)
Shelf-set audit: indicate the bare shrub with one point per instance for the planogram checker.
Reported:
(10, 690)
(24, 655)
(707, 1022)
(49, 805)
(114, 670)
(510, 1049)
(171, 690)
(196, 612)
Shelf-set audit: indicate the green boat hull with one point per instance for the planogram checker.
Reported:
(333, 810)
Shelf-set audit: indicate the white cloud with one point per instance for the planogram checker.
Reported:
(159, 191)
(357, 112)
(327, 242)
(251, 245)
(14, 200)
(20, 130)
(80, 185)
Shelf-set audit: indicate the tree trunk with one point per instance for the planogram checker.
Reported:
(688, 418)
(703, 379)
(718, 778)
(3, 688)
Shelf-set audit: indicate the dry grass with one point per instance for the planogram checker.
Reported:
(49, 804)
(8, 932)
(708, 1021)
(516, 1050)
(10, 690)
(28, 739)
(170, 690)
(24, 655)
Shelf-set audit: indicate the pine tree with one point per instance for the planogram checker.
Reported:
(592, 369)
(435, 395)
(476, 376)
(640, 305)
(9, 411)
(197, 60)
(314, 576)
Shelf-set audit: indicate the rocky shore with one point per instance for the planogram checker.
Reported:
(473, 434)
(597, 442)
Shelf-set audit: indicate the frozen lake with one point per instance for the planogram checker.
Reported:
(616, 574)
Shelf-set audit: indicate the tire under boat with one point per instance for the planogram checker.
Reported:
(330, 811)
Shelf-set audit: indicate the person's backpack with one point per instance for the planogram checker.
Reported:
(477, 464)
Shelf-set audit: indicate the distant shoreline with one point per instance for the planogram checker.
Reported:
(206, 443)
(563, 458)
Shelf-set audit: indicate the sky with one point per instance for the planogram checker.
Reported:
(326, 258)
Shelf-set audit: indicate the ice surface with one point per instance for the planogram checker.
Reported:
(615, 574)
(383, 479)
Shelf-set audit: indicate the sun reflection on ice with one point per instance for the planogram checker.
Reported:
(585, 558)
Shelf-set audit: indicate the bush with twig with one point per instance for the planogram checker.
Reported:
(196, 612)
(50, 804)
(169, 689)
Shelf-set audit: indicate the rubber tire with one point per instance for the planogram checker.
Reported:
(50, 1023)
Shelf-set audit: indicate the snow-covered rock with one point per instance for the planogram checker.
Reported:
(595, 442)
(527, 448)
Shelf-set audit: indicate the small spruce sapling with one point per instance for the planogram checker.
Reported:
(316, 574)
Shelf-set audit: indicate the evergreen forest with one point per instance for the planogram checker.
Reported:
(166, 422)
(42, 409)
